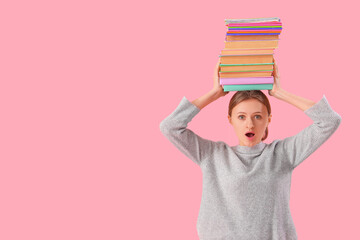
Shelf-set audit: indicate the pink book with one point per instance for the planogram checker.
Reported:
(255, 24)
(247, 80)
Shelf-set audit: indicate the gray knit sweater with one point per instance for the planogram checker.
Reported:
(246, 190)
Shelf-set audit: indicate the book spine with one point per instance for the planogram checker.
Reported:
(245, 64)
(253, 31)
(248, 71)
(250, 28)
(247, 87)
(245, 80)
(238, 34)
(252, 20)
(234, 55)
(254, 24)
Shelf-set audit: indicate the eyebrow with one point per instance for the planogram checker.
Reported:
(245, 113)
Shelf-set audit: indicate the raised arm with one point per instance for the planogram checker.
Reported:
(174, 127)
(215, 93)
(279, 93)
(325, 122)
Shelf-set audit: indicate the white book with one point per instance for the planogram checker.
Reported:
(252, 20)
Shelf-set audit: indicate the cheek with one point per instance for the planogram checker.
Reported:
(238, 127)
(261, 126)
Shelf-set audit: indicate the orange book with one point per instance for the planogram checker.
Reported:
(251, 37)
(247, 59)
(245, 74)
(256, 44)
(246, 51)
(247, 68)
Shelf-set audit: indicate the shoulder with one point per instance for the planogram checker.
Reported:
(274, 148)
(221, 145)
(275, 145)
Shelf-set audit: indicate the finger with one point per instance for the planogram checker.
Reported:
(217, 65)
(275, 65)
(216, 70)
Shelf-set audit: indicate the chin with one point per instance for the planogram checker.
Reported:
(253, 143)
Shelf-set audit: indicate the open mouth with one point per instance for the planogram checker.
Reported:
(250, 134)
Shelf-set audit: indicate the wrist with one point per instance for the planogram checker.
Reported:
(215, 93)
(279, 93)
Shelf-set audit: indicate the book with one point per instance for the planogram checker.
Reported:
(253, 31)
(252, 20)
(253, 28)
(250, 34)
(255, 44)
(246, 87)
(251, 37)
(253, 24)
(246, 51)
(241, 59)
(246, 67)
(262, 73)
(247, 80)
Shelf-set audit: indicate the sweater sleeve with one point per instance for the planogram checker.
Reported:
(325, 122)
(174, 128)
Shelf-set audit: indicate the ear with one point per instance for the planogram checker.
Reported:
(229, 118)
(270, 118)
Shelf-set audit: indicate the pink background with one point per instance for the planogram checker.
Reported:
(85, 85)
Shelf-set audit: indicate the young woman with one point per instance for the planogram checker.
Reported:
(246, 188)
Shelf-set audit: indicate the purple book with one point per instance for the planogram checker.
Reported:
(247, 80)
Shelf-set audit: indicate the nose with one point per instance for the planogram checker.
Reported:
(249, 123)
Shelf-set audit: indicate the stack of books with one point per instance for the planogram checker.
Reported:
(246, 62)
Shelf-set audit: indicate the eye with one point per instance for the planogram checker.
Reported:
(257, 116)
(242, 117)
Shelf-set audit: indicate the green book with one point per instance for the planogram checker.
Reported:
(245, 87)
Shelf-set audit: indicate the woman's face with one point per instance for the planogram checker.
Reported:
(249, 116)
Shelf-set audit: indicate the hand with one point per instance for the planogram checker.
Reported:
(217, 87)
(276, 85)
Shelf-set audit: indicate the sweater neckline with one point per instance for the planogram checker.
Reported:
(254, 149)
